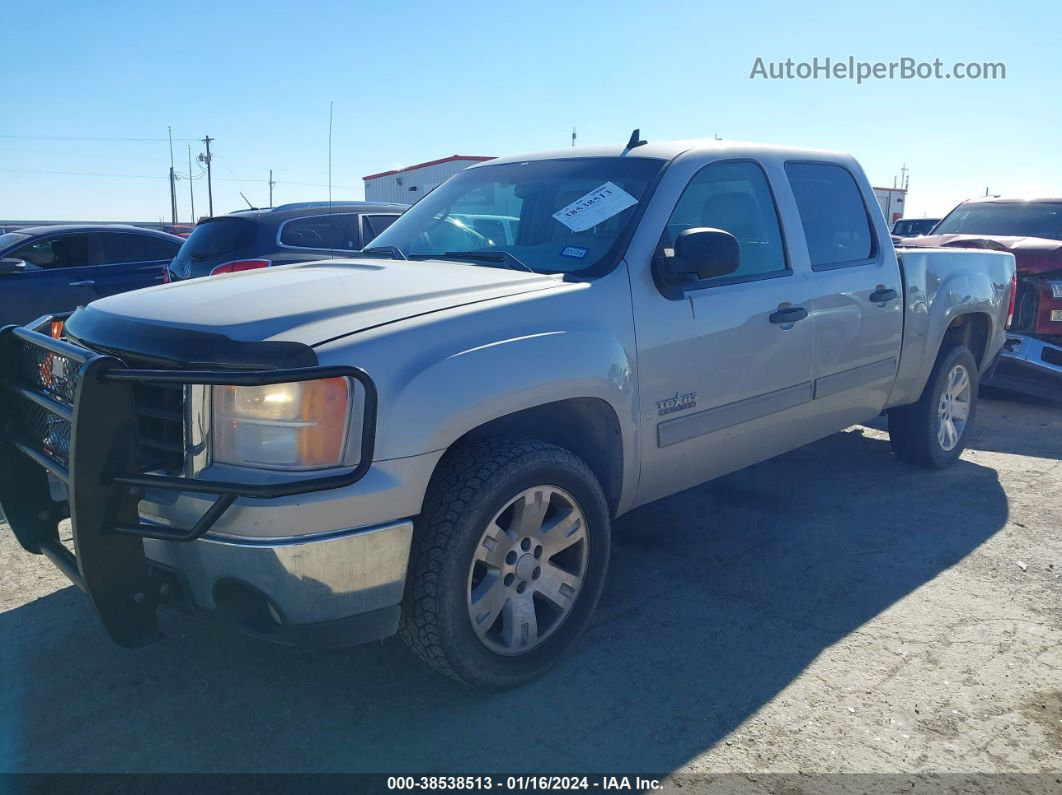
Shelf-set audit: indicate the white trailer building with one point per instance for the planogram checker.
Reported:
(407, 185)
(891, 201)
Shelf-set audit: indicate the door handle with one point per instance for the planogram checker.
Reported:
(788, 314)
(84, 283)
(882, 295)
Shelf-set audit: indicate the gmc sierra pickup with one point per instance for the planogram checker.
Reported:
(433, 436)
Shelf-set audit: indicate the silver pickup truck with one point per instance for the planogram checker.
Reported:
(432, 437)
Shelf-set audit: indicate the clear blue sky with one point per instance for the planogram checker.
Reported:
(414, 81)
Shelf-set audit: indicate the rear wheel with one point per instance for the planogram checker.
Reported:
(933, 431)
(508, 562)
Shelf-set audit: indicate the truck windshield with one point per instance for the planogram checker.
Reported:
(551, 216)
(1020, 219)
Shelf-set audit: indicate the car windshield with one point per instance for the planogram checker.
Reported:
(10, 239)
(1020, 219)
(550, 216)
(916, 226)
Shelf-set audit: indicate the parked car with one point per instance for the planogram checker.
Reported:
(913, 227)
(59, 268)
(249, 239)
(434, 440)
(1031, 230)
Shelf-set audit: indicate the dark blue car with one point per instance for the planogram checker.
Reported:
(52, 269)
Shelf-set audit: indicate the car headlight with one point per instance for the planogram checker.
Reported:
(1056, 289)
(301, 425)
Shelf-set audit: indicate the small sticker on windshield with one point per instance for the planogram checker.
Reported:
(574, 251)
(598, 205)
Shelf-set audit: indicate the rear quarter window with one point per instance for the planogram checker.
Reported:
(832, 214)
(321, 232)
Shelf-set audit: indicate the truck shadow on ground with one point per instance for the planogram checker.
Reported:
(717, 599)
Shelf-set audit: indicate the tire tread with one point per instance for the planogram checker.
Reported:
(461, 475)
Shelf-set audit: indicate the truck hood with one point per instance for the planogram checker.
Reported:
(1033, 255)
(305, 304)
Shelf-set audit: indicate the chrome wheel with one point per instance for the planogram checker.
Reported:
(953, 411)
(527, 570)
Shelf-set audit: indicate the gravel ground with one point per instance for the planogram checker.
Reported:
(830, 610)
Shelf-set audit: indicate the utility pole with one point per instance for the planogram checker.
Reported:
(173, 181)
(210, 186)
(271, 184)
(191, 193)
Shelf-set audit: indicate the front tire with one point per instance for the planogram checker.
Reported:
(508, 562)
(933, 432)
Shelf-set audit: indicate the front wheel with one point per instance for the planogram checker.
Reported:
(508, 562)
(933, 432)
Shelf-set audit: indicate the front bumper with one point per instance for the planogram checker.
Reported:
(330, 589)
(1028, 365)
(68, 414)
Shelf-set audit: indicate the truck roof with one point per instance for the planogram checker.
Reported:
(1012, 200)
(668, 150)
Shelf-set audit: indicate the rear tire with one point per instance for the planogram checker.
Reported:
(933, 432)
(492, 599)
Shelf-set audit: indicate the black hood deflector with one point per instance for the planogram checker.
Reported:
(169, 345)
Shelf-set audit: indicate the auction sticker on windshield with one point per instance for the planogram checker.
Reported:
(598, 205)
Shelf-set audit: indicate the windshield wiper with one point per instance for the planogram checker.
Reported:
(490, 256)
(394, 252)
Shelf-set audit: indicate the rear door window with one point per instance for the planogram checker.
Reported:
(330, 232)
(832, 214)
(120, 247)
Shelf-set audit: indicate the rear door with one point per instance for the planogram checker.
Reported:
(58, 270)
(722, 384)
(131, 261)
(858, 309)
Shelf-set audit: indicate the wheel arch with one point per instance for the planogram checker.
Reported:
(971, 329)
(588, 427)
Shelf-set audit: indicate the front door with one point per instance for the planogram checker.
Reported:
(57, 277)
(723, 382)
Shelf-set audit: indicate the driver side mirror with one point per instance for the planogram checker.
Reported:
(700, 253)
(12, 265)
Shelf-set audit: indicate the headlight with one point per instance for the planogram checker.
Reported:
(301, 425)
(1056, 289)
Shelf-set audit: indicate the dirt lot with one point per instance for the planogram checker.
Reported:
(831, 610)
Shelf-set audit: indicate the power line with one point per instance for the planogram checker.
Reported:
(84, 138)
(157, 176)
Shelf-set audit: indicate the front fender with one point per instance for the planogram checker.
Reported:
(443, 401)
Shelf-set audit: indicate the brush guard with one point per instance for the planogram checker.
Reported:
(67, 413)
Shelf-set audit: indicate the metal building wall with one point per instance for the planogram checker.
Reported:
(386, 188)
